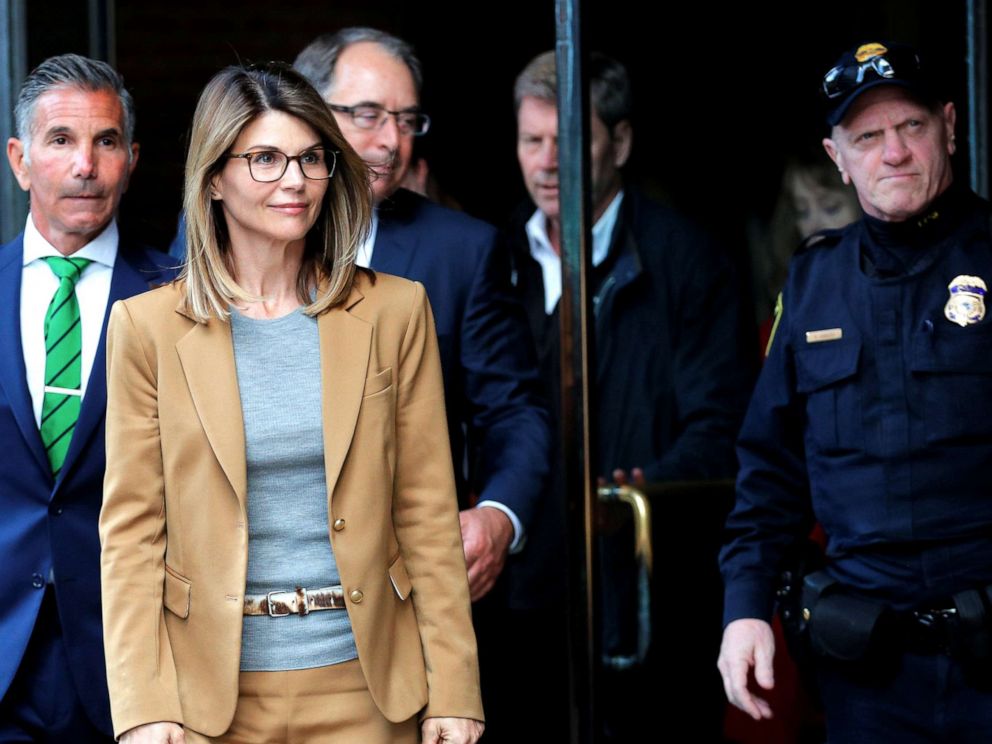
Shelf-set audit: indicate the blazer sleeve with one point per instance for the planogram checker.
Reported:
(140, 668)
(425, 520)
(508, 419)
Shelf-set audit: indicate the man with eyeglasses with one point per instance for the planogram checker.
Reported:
(497, 422)
(73, 153)
(873, 416)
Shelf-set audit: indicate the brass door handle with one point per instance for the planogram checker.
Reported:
(644, 554)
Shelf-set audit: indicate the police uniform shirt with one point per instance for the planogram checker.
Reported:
(873, 415)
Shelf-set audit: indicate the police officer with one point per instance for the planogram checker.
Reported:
(873, 415)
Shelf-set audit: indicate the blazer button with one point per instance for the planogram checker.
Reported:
(38, 581)
(357, 596)
(338, 525)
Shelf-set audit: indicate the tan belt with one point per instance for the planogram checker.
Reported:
(299, 602)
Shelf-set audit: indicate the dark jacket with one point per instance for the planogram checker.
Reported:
(51, 525)
(673, 357)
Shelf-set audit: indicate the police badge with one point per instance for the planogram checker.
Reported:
(966, 305)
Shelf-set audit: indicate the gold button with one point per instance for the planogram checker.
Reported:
(806, 614)
(338, 525)
(357, 596)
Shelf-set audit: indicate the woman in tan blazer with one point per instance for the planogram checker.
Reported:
(206, 418)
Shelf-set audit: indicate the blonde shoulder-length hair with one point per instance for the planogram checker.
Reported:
(231, 100)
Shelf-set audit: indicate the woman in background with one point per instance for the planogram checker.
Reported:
(812, 197)
(281, 558)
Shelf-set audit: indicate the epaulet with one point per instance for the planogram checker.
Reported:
(821, 239)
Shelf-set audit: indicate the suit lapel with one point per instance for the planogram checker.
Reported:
(126, 281)
(131, 277)
(13, 377)
(395, 242)
(207, 357)
(345, 343)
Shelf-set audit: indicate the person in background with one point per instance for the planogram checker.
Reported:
(812, 198)
(673, 371)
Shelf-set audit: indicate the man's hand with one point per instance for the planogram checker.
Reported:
(486, 537)
(452, 730)
(155, 733)
(635, 479)
(747, 644)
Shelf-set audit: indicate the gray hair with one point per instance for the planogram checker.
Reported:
(316, 63)
(69, 71)
(609, 86)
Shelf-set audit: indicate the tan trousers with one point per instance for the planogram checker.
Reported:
(326, 705)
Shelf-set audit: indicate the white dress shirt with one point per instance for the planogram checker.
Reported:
(550, 261)
(364, 257)
(38, 287)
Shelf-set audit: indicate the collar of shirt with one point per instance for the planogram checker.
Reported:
(364, 255)
(102, 249)
(39, 284)
(550, 261)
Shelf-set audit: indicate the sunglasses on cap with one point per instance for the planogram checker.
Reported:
(899, 64)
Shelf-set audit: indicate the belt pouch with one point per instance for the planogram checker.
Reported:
(971, 639)
(840, 626)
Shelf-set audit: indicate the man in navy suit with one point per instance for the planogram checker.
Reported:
(498, 426)
(74, 153)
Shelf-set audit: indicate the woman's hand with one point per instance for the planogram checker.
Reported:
(158, 733)
(449, 730)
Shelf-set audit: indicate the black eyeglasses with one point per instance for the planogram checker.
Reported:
(267, 166)
(371, 116)
(894, 63)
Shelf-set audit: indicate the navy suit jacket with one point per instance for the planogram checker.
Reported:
(490, 371)
(52, 524)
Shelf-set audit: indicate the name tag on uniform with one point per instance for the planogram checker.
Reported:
(827, 334)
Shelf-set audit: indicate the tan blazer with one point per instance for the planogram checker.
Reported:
(173, 525)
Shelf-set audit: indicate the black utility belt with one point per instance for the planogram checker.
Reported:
(846, 627)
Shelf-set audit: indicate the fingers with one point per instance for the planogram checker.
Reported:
(747, 644)
(481, 578)
(451, 731)
(486, 536)
(155, 733)
(620, 477)
(430, 732)
(764, 670)
(734, 672)
(471, 543)
(483, 572)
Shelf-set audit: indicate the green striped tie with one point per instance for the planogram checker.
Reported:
(63, 365)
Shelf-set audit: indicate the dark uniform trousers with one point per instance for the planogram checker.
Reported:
(873, 415)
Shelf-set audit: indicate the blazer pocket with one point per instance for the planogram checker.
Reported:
(399, 578)
(177, 592)
(378, 382)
